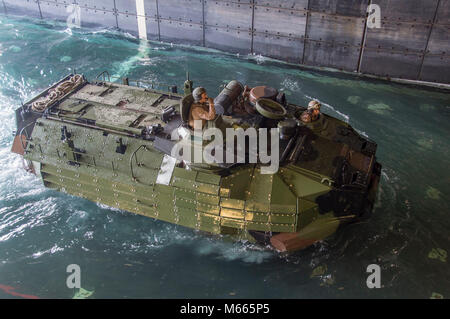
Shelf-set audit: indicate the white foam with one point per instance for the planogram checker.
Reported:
(231, 251)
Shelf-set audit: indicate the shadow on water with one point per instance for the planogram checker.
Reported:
(123, 255)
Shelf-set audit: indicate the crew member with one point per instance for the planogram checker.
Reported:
(202, 108)
(242, 105)
(312, 113)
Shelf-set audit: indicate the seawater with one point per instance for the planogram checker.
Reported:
(122, 255)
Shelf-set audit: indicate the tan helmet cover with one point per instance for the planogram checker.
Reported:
(314, 105)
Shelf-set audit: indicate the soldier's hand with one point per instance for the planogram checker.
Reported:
(210, 100)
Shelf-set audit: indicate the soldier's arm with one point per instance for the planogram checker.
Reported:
(200, 114)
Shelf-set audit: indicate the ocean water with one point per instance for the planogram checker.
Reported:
(122, 255)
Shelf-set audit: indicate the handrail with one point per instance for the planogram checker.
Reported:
(103, 74)
(131, 161)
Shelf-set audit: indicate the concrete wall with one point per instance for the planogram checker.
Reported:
(412, 42)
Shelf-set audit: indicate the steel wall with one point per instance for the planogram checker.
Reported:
(412, 43)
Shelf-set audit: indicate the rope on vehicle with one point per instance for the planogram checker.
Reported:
(58, 92)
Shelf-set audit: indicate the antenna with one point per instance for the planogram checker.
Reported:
(188, 85)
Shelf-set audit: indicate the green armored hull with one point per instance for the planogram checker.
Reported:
(110, 143)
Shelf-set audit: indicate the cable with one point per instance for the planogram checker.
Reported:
(55, 94)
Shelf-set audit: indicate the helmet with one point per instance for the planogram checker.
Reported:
(197, 93)
(314, 105)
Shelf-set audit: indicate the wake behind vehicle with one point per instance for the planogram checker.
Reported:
(112, 143)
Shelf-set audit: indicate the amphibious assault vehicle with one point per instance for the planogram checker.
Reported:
(111, 143)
